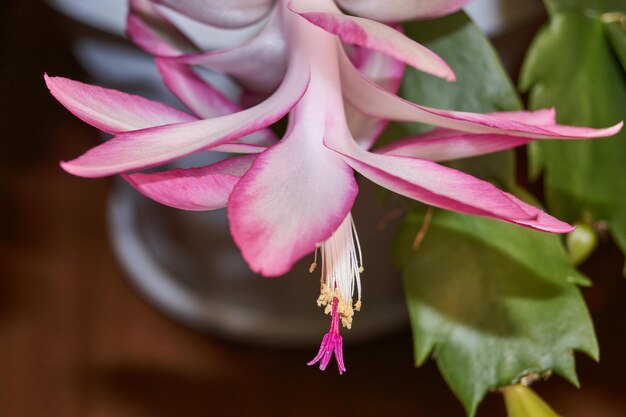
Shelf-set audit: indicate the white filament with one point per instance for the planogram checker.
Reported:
(342, 264)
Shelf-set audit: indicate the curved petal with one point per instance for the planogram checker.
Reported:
(110, 110)
(237, 147)
(400, 10)
(295, 195)
(377, 67)
(222, 13)
(206, 188)
(203, 99)
(541, 117)
(259, 64)
(441, 186)
(153, 32)
(445, 145)
(436, 185)
(195, 93)
(448, 145)
(154, 146)
(541, 221)
(387, 73)
(371, 34)
(370, 99)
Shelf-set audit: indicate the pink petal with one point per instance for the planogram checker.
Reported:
(195, 93)
(383, 70)
(387, 73)
(295, 195)
(442, 187)
(399, 10)
(205, 100)
(205, 188)
(153, 32)
(437, 185)
(371, 34)
(542, 221)
(445, 145)
(237, 147)
(370, 99)
(110, 110)
(259, 64)
(221, 13)
(541, 117)
(154, 146)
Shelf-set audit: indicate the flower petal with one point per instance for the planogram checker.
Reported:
(205, 100)
(541, 117)
(381, 69)
(436, 185)
(237, 147)
(295, 195)
(206, 188)
(445, 144)
(400, 10)
(110, 110)
(371, 34)
(198, 95)
(542, 221)
(222, 13)
(370, 99)
(387, 73)
(259, 64)
(442, 187)
(153, 32)
(154, 146)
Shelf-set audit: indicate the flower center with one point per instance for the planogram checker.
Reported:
(341, 274)
(342, 265)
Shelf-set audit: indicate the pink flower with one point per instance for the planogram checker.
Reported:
(290, 197)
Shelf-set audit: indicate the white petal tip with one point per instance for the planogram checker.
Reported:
(80, 171)
(67, 167)
(616, 128)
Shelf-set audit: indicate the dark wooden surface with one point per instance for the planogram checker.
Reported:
(77, 340)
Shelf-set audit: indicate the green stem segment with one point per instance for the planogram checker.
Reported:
(521, 401)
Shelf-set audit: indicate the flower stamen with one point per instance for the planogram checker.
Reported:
(342, 265)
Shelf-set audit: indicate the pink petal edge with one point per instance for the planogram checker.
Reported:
(371, 34)
(206, 188)
(109, 110)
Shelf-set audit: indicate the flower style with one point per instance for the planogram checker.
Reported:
(287, 198)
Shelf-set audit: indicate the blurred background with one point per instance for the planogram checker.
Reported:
(78, 339)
